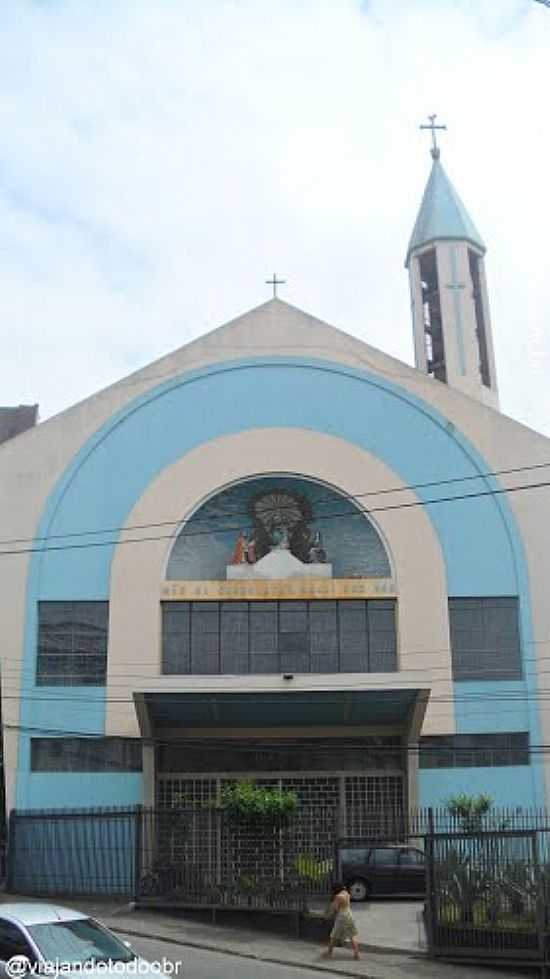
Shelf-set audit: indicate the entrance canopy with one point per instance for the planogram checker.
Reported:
(160, 711)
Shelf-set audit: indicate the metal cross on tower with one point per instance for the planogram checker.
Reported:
(275, 282)
(433, 126)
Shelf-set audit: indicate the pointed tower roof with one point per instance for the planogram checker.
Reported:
(442, 214)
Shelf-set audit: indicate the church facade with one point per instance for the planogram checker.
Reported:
(280, 554)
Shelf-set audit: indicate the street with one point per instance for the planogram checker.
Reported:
(199, 964)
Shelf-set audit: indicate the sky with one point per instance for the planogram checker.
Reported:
(161, 158)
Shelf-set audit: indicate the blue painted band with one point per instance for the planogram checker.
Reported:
(479, 538)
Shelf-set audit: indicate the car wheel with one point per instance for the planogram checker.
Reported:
(359, 889)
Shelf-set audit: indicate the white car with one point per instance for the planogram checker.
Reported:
(45, 939)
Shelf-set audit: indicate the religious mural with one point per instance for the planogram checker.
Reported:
(277, 527)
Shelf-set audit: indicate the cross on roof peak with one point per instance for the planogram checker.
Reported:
(275, 282)
(435, 151)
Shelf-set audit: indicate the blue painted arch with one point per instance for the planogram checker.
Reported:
(480, 542)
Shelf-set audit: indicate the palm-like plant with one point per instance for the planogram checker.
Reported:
(463, 884)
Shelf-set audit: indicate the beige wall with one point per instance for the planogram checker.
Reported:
(416, 556)
(31, 464)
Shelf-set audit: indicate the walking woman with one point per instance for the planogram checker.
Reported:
(344, 926)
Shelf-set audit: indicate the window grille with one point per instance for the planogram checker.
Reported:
(485, 639)
(72, 643)
(475, 750)
(355, 636)
(86, 755)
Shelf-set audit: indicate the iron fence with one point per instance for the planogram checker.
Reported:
(72, 851)
(487, 877)
(196, 857)
(488, 895)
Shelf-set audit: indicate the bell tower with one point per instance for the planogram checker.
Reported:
(450, 307)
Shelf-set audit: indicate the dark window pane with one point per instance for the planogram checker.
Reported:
(13, 942)
(485, 638)
(382, 637)
(474, 750)
(324, 643)
(293, 617)
(176, 646)
(354, 654)
(234, 638)
(353, 637)
(205, 638)
(72, 643)
(263, 617)
(264, 662)
(86, 755)
(278, 637)
(411, 858)
(386, 858)
(294, 650)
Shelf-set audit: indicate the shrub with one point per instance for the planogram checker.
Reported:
(251, 806)
(470, 810)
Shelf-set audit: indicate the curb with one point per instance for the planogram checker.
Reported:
(224, 950)
(315, 966)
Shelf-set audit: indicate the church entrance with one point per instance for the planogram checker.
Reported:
(361, 780)
(350, 752)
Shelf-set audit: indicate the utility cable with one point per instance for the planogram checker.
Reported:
(329, 498)
(236, 528)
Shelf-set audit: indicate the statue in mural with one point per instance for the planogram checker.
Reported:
(251, 551)
(240, 549)
(317, 553)
(277, 515)
(281, 521)
(279, 537)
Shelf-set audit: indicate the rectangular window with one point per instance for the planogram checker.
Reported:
(481, 332)
(323, 637)
(205, 637)
(86, 755)
(72, 643)
(382, 637)
(384, 753)
(234, 656)
(485, 640)
(431, 305)
(354, 649)
(475, 750)
(385, 857)
(354, 636)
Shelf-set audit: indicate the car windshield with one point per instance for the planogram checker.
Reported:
(80, 940)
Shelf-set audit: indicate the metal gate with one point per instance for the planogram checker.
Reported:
(487, 895)
(367, 804)
(193, 856)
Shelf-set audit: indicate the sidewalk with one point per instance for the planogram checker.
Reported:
(389, 924)
(261, 946)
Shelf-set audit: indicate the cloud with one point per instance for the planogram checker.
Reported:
(164, 158)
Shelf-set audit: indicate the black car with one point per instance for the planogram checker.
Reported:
(379, 870)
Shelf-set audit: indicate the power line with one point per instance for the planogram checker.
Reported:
(328, 498)
(262, 743)
(236, 528)
(272, 697)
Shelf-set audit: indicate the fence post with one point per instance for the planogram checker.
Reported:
(429, 907)
(138, 842)
(336, 835)
(10, 854)
(540, 910)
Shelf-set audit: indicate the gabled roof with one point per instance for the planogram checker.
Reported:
(13, 421)
(442, 215)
